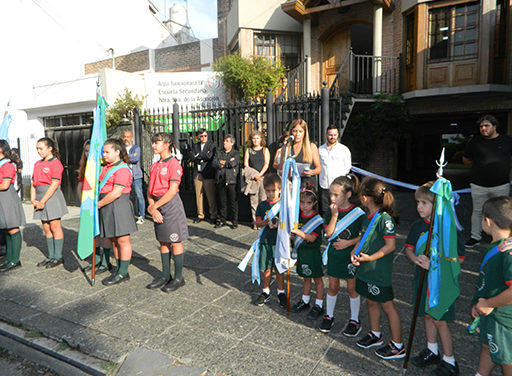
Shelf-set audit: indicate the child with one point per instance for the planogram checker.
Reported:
(430, 355)
(167, 210)
(342, 191)
(268, 239)
(115, 207)
(48, 200)
(11, 211)
(375, 261)
(102, 249)
(493, 298)
(226, 162)
(309, 255)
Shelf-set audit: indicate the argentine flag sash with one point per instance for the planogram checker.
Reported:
(255, 247)
(4, 161)
(368, 233)
(421, 243)
(313, 223)
(111, 172)
(493, 252)
(341, 226)
(289, 215)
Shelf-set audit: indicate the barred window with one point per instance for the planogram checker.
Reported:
(283, 48)
(84, 118)
(453, 31)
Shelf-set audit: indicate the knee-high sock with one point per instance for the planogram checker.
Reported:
(330, 304)
(178, 266)
(58, 243)
(8, 248)
(123, 267)
(355, 304)
(105, 257)
(166, 265)
(51, 248)
(97, 259)
(16, 246)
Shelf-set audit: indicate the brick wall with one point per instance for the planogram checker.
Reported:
(176, 57)
(221, 49)
(133, 62)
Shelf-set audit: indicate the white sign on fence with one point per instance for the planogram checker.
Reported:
(186, 88)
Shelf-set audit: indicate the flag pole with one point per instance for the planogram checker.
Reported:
(287, 153)
(439, 174)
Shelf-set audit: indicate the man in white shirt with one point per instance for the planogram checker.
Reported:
(336, 160)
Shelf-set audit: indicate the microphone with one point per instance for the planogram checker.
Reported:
(290, 139)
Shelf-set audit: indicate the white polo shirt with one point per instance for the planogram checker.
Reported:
(335, 162)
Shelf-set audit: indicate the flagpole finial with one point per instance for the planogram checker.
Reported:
(441, 163)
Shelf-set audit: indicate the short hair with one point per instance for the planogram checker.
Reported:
(332, 126)
(202, 130)
(491, 119)
(272, 179)
(424, 192)
(230, 136)
(499, 209)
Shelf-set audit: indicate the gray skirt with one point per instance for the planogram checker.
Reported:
(116, 218)
(55, 207)
(174, 229)
(11, 211)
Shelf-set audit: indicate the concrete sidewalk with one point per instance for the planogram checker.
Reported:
(210, 322)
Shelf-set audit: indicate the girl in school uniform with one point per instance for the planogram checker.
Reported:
(343, 223)
(11, 211)
(374, 257)
(48, 200)
(166, 208)
(309, 255)
(102, 245)
(115, 207)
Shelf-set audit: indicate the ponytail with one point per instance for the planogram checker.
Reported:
(117, 144)
(50, 143)
(380, 194)
(349, 183)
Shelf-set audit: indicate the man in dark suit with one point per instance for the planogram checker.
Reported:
(202, 154)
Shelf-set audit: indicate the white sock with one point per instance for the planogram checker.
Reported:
(449, 360)
(398, 345)
(305, 298)
(433, 347)
(280, 291)
(319, 302)
(355, 304)
(376, 334)
(266, 291)
(330, 303)
(478, 374)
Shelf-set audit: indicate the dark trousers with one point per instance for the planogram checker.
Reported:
(227, 195)
(325, 200)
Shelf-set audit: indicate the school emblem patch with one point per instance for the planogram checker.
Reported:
(174, 237)
(178, 172)
(163, 171)
(493, 347)
(46, 170)
(351, 269)
(390, 226)
(306, 270)
(374, 290)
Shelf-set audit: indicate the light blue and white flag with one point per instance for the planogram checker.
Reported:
(312, 224)
(6, 124)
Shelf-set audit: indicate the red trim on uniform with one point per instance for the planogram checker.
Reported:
(273, 202)
(260, 218)
(371, 216)
(508, 283)
(426, 221)
(314, 233)
(347, 209)
(409, 246)
(462, 257)
(309, 216)
(389, 237)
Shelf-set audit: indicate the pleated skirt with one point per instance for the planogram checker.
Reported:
(174, 229)
(55, 207)
(11, 210)
(116, 218)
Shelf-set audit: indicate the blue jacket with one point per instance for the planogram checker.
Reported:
(134, 154)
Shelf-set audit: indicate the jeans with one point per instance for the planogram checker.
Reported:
(141, 204)
(479, 195)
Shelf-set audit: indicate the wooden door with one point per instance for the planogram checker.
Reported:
(410, 54)
(334, 50)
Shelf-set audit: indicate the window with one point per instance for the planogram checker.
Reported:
(85, 118)
(283, 48)
(453, 32)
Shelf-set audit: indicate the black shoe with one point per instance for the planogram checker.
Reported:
(102, 269)
(234, 225)
(115, 279)
(282, 299)
(219, 224)
(299, 306)
(425, 358)
(262, 299)
(390, 352)
(89, 268)
(315, 312)
(197, 220)
(53, 263)
(43, 263)
(326, 325)
(173, 285)
(157, 283)
(9, 266)
(352, 329)
(369, 340)
(445, 369)
(471, 243)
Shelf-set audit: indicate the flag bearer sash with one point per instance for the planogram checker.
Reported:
(255, 247)
(111, 172)
(341, 226)
(365, 240)
(312, 224)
